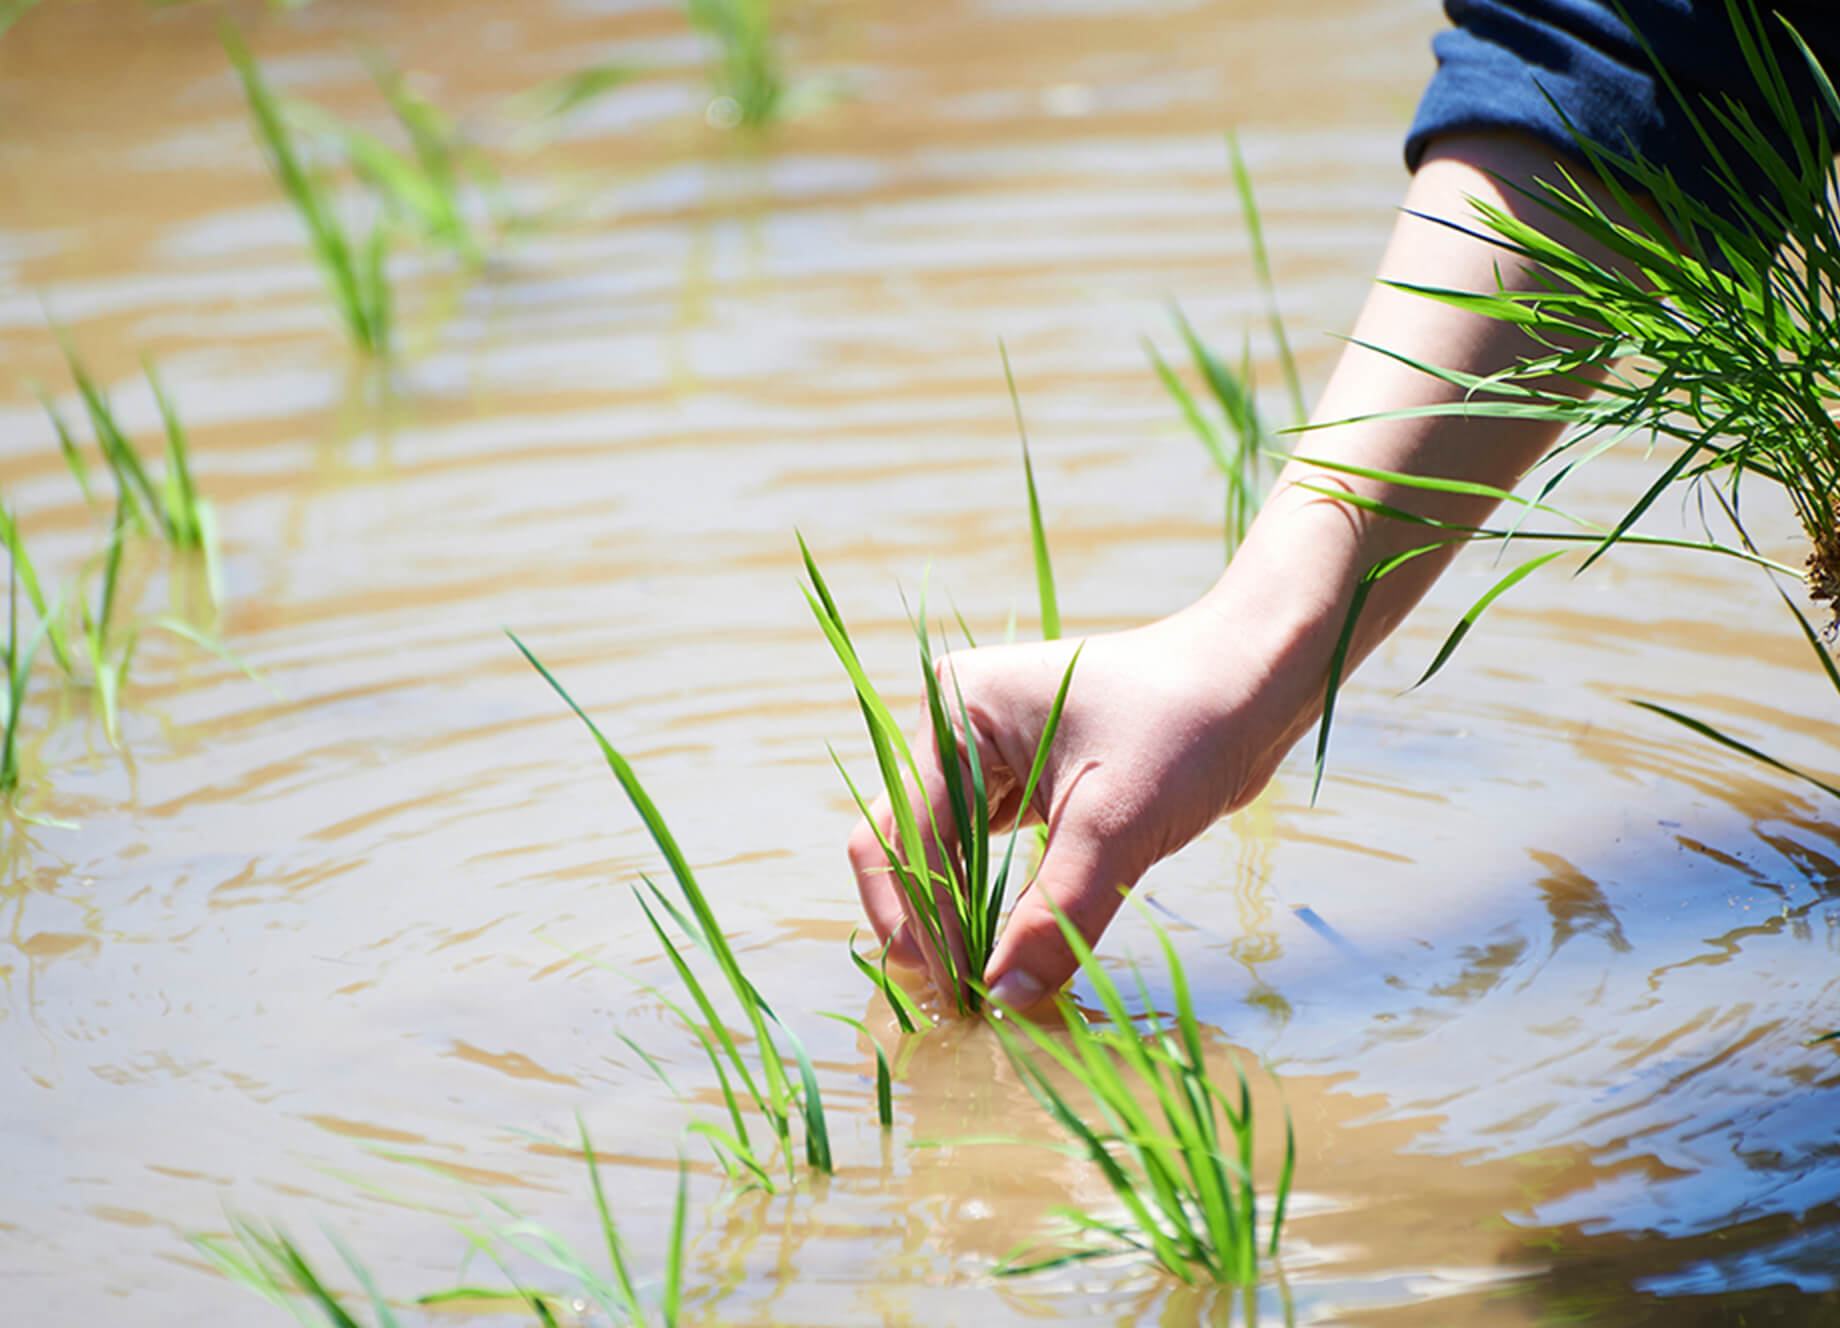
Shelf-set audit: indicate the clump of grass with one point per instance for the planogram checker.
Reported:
(422, 192)
(766, 1077)
(20, 653)
(747, 73)
(568, 93)
(109, 658)
(1237, 445)
(950, 880)
(615, 1292)
(355, 273)
(174, 508)
(982, 903)
(1240, 441)
(25, 577)
(1723, 325)
(1575, 533)
(265, 1260)
(1175, 1147)
(268, 1262)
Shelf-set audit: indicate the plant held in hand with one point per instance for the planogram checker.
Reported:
(941, 857)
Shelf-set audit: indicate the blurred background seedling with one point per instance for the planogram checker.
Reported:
(20, 653)
(1174, 1145)
(777, 1085)
(747, 73)
(1239, 440)
(11, 11)
(267, 1261)
(356, 273)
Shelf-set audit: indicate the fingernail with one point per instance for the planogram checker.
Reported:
(1017, 990)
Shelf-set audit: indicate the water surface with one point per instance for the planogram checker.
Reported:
(1535, 975)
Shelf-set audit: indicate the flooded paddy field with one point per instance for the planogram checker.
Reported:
(1536, 976)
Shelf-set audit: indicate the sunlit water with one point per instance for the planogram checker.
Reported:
(1536, 975)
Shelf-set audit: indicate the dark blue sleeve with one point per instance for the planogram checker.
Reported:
(1514, 65)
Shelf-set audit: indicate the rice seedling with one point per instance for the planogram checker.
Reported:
(25, 576)
(1581, 533)
(1240, 458)
(1038, 534)
(20, 655)
(766, 1078)
(908, 1016)
(884, 1078)
(941, 858)
(434, 195)
(11, 11)
(1175, 1147)
(616, 1292)
(1722, 327)
(109, 659)
(356, 274)
(422, 191)
(267, 1261)
(67, 443)
(1239, 443)
(746, 72)
(558, 97)
(175, 508)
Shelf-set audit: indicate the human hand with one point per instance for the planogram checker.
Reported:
(1165, 728)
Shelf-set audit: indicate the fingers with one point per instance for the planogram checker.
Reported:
(881, 897)
(1087, 883)
(877, 880)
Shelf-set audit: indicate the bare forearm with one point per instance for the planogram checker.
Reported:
(1293, 578)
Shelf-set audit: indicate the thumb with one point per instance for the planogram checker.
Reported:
(1087, 883)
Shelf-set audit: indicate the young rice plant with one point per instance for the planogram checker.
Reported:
(1239, 444)
(268, 1262)
(747, 72)
(767, 1078)
(356, 275)
(1175, 1147)
(952, 884)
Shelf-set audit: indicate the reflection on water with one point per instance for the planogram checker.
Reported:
(1536, 977)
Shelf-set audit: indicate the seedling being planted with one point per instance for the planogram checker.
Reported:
(940, 858)
(764, 1075)
(1175, 1146)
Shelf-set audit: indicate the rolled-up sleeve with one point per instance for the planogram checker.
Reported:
(1529, 66)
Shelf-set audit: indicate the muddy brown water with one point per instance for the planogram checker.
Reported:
(1536, 975)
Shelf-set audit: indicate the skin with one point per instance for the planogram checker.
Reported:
(1172, 725)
